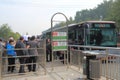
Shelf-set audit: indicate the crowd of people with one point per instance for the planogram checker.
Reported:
(25, 51)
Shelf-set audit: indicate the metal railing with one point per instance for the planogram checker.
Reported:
(40, 61)
(106, 63)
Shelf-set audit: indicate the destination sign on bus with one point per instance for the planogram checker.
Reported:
(103, 25)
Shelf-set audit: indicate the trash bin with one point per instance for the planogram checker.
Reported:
(94, 69)
(86, 64)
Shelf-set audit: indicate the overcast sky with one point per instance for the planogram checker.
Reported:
(33, 16)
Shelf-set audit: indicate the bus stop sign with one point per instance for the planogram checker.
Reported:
(59, 41)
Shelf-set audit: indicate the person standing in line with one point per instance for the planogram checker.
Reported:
(21, 52)
(48, 51)
(11, 55)
(33, 54)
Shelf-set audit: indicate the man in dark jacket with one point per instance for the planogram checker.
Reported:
(21, 52)
(48, 51)
(33, 54)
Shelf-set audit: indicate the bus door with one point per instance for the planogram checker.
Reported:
(94, 37)
(80, 36)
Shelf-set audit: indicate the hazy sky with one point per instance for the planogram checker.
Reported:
(33, 16)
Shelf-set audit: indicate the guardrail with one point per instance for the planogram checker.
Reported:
(40, 62)
(105, 65)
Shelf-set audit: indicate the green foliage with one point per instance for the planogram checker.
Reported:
(70, 21)
(100, 12)
(6, 32)
(115, 12)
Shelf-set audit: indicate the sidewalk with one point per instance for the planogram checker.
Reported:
(60, 72)
(63, 75)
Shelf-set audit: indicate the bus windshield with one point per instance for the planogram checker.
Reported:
(101, 37)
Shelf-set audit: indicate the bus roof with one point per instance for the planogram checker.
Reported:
(57, 28)
(98, 22)
(70, 25)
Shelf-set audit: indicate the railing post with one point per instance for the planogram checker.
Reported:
(79, 56)
(44, 46)
(107, 64)
(70, 58)
(118, 68)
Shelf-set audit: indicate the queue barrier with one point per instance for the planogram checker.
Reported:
(108, 60)
(40, 63)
